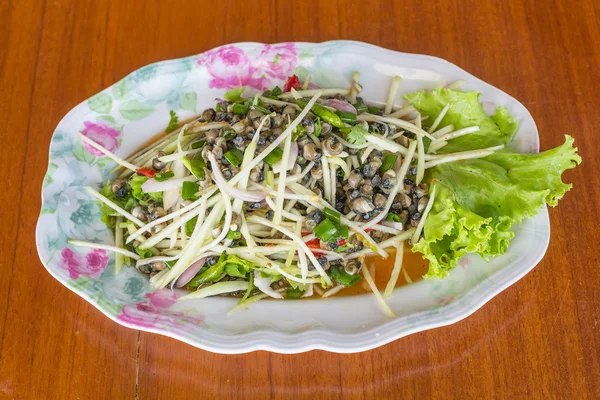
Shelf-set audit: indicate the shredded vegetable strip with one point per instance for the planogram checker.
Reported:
(384, 306)
(333, 291)
(215, 289)
(399, 184)
(204, 195)
(101, 246)
(397, 122)
(115, 207)
(296, 239)
(420, 160)
(391, 285)
(403, 112)
(419, 229)
(313, 92)
(439, 118)
(354, 87)
(119, 244)
(187, 255)
(282, 174)
(393, 92)
(465, 155)
(107, 153)
(326, 181)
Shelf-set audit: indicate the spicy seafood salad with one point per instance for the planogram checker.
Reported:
(283, 194)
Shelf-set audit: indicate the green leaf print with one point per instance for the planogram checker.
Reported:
(107, 118)
(81, 154)
(120, 89)
(134, 110)
(100, 103)
(51, 170)
(189, 101)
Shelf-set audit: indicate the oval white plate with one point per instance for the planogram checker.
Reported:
(135, 109)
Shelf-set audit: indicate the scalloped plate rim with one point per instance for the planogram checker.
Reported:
(455, 311)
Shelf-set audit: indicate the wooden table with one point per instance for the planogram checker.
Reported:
(538, 339)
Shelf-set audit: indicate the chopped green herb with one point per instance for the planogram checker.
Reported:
(173, 122)
(199, 144)
(325, 114)
(332, 215)
(388, 162)
(136, 182)
(229, 134)
(262, 110)
(274, 156)
(144, 253)
(218, 107)
(234, 235)
(250, 287)
(355, 135)
(393, 217)
(190, 225)
(317, 125)
(347, 116)
(235, 157)
(273, 93)
(236, 270)
(294, 293)
(235, 95)
(342, 232)
(195, 165)
(373, 109)
(361, 107)
(189, 190)
(240, 109)
(338, 275)
(300, 130)
(326, 230)
(270, 178)
(164, 177)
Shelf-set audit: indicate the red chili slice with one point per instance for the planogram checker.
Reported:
(291, 82)
(146, 172)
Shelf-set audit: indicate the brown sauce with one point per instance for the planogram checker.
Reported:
(381, 270)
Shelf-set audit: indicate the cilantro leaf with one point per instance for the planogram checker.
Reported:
(235, 94)
(173, 122)
(355, 135)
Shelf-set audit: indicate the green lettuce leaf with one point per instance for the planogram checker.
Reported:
(465, 110)
(477, 201)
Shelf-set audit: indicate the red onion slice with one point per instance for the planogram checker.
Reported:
(341, 105)
(190, 273)
(245, 195)
(291, 160)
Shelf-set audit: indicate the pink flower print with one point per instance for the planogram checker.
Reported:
(144, 315)
(102, 134)
(91, 265)
(163, 298)
(230, 67)
(278, 61)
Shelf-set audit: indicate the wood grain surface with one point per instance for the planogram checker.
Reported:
(538, 339)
